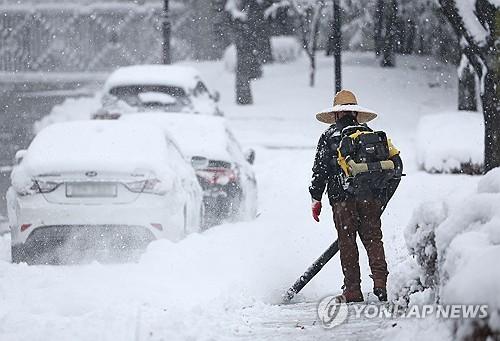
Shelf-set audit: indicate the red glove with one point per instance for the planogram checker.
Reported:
(316, 209)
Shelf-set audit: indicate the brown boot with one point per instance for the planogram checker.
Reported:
(379, 288)
(381, 294)
(350, 295)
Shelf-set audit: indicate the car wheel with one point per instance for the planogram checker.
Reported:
(236, 207)
(18, 254)
(211, 212)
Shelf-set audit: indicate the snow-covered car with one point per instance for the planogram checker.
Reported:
(227, 178)
(166, 88)
(99, 185)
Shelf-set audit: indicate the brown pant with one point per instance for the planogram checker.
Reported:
(361, 216)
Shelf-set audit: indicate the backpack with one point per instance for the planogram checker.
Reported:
(364, 157)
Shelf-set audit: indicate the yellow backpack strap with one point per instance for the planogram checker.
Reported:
(392, 149)
(341, 160)
(357, 133)
(342, 163)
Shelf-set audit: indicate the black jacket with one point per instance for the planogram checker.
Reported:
(326, 170)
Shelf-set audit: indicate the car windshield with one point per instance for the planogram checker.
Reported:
(153, 96)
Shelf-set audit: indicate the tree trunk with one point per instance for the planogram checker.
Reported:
(312, 69)
(243, 90)
(261, 30)
(467, 97)
(247, 67)
(490, 95)
(337, 48)
(485, 60)
(313, 40)
(243, 72)
(490, 14)
(379, 24)
(491, 121)
(388, 57)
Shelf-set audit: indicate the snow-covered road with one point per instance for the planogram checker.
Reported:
(224, 283)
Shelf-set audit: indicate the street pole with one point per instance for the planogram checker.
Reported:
(337, 44)
(166, 30)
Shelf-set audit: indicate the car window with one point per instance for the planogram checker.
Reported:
(140, 96)
(133, 90)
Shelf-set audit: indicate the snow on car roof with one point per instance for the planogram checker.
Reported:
(196, 135)
(97, 145)
(184, 77)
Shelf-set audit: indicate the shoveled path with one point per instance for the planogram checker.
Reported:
(301, 322)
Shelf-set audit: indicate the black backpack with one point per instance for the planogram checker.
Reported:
(364, 157)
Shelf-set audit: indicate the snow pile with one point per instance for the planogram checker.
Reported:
(285, 49)
(107, 146)
(72, 109)
(451, 142)
(456, 244)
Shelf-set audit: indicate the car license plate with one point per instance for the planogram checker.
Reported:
(91, 190)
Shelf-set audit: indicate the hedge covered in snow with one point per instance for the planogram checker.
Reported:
(456, 249)
(285, 49)
(451, 142)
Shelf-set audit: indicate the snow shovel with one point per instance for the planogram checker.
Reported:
(311, 272)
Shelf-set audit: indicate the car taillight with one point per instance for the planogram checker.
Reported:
(146, 186)
(44, 186)
(24, 227)
(217, 176)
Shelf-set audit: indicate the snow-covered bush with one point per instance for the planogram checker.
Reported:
(285, 49)
(72, 109)
(413, 280)
(420, 238)
(456, 245)
(404, 281)
(451, 142)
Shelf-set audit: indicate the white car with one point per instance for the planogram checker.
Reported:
(164, 88)
(94, 185)
(227, 179)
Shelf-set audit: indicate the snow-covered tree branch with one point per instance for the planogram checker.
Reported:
(308, 14)
(475, 22)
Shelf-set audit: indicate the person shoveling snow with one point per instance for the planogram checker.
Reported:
(361, 170)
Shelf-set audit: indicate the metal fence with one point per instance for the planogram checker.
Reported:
(72, 37)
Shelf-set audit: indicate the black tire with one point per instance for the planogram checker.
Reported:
(235, 209)
(19, 254)
(34, 256)
(212, 212)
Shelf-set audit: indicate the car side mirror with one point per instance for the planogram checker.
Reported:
(250, 156)
(216, 96)
(199, 162)
(19, 156)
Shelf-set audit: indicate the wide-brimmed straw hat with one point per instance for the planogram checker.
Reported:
(345, 101)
